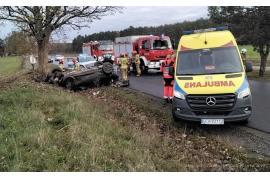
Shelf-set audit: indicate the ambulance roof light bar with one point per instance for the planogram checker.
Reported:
(222, 28)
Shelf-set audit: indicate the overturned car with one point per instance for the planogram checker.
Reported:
(96, 76)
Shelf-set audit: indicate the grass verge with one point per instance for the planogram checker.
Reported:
(43, 128)
(254, 75)
(9, 65)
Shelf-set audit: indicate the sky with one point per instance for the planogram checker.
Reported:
(130, 16)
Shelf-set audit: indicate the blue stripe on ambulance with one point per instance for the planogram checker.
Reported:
(177, 88)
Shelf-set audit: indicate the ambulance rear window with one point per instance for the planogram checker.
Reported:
(209, 61)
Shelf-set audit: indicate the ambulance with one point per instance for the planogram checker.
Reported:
(210, 85)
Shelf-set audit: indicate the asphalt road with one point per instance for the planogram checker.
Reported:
(260, 119)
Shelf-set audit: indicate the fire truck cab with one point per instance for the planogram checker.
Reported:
(98, 49)
(152, 49)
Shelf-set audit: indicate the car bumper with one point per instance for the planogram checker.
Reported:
(154, 65)
(240, 111)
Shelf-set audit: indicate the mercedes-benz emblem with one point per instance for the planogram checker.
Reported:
(210, 101)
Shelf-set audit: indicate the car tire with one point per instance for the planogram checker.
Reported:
(69, 84)
(107, 68)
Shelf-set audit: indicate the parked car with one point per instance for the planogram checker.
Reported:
(86, 61)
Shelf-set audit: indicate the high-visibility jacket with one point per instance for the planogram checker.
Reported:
(165, 66)
(123, 62)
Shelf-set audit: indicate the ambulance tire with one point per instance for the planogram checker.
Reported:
(82, 68)
(243, 122)
(175, 119)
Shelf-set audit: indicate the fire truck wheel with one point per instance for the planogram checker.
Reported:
(144, 68)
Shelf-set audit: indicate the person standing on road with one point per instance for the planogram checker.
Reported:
(123, 63)
(136, 60)
(166, 66)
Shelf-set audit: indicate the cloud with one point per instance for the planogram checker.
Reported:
(131, 16)
(144, 16)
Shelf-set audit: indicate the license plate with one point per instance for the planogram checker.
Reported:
(212, 121)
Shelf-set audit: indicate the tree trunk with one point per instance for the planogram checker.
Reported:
(263, 64)
(43, 56)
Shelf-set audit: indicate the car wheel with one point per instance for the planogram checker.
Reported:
(69, 84)
(107, 68)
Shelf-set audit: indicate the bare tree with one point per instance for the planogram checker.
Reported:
(41, 21)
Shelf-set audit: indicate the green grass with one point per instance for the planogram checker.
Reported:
(43, 128)
(51, 130)
(9, 65)
(254, 75)
(252, 55)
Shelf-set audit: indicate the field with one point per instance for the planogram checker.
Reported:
(9, 65)
(252, 55)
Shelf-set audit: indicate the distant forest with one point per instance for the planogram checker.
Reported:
(174, 31)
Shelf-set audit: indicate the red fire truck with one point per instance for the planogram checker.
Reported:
(152, 49)
(98, 48)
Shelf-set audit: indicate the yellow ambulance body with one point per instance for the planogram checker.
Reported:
(210, 78)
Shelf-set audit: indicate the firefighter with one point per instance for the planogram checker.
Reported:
(76, 64)
(167, 77)
(123, 63)
(136, 60)
(61, 64)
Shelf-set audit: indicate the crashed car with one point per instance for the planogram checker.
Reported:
(98, 75)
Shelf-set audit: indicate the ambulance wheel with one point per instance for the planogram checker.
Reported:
(175, 119)
(69, 84)
(243, 122)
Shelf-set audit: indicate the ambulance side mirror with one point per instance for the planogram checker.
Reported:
(248, 66)
(171, 71)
